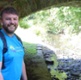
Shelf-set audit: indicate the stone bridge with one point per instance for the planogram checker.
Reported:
(26, 7)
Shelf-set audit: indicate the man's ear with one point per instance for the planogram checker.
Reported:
(1, 22)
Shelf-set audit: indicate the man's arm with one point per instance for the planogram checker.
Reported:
(1, 77)
(24, 75)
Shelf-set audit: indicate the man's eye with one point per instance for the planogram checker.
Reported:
(7, 18)
(15, 19)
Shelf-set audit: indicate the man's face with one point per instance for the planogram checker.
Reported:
(9, 22)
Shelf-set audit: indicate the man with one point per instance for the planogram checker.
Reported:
(14, 57)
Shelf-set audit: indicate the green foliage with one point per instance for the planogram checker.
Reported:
(58, 75)
(23, 23)
(55, 73)
(56, 19)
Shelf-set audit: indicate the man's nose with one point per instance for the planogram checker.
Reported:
(12, 21)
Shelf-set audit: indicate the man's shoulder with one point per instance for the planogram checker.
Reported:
(1, 43)
(18, 38)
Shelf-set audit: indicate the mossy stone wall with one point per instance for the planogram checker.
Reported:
(26, 7)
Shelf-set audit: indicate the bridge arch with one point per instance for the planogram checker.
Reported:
(26, 7)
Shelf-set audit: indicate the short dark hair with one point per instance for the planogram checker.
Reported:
(10, 10)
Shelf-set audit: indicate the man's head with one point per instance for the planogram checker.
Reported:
(9, 19)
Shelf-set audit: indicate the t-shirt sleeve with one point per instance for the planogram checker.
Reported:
(1, 48)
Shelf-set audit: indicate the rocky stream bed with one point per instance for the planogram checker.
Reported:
(69, 63)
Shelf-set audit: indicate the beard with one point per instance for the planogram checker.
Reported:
(10, 29)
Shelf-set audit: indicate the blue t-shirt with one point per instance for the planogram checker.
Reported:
(13, 58)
